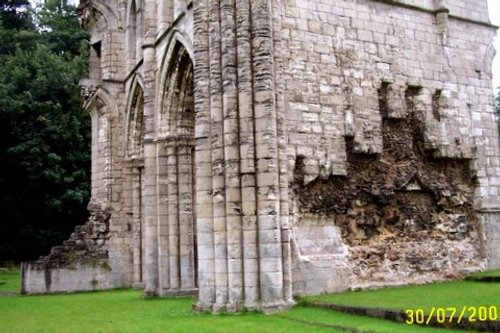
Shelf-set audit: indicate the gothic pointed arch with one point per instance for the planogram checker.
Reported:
(135, 122)
(100, 20)
(101, 108)
(176, 172)
(176, 109)
(134, 174)
(89, 9)
(134, 32)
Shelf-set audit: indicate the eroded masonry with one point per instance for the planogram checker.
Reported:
(250, 151)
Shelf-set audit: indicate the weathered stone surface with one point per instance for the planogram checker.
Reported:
(251, 150)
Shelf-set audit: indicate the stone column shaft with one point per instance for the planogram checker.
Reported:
(204, 186)
(185, 201)
(231, 153)
(149, 198)
(163, 227)
(218, 161)
(268, 203)
(282, 153)
(247, 155)
(137, 224)
(150, 221)
(173, 216)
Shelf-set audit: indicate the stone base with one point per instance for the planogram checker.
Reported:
(178, 292)
(267, 308)
(491, 229)
(320, 257)
(319, 275)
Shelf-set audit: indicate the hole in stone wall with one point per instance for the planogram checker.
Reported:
(96, 47)
(435, 105)
(382, 99)
(95, 61)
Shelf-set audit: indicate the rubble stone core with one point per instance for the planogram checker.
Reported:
(248, 151)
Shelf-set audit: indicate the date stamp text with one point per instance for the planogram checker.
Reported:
(452, 314)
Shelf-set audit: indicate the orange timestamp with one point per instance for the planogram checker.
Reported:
(452, 314)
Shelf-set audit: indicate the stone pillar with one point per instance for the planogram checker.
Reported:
(204, 204)
(185, 201)
(286, 230)
(238, 109)
(162, 211)
(266, 157)
(173, 215)
(137, 225)
(149, 196)
(247, 156)
(150, 219)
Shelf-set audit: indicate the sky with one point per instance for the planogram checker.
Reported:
(494, 7)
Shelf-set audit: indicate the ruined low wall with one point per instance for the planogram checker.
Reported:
(81, 263)
(83, 276)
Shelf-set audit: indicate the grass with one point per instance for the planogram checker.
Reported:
(124, 311)
(450, 294)
(362, 324)
(10, 281)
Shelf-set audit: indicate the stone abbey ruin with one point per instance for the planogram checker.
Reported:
(252, 150)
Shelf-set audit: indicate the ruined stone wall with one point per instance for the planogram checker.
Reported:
(80, 263)
(75, 264)
(385, 103)
(243, 148)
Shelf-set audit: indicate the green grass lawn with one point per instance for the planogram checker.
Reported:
(124, 311)
(495, 273)
(363, 324)
(10, 281)
(450, 294)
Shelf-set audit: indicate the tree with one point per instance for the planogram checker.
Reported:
(44, 133)
(14, 14)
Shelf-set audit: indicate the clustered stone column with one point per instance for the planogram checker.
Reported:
(243, 246)
(149, 195)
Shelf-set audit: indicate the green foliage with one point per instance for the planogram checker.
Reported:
(14, 14)
(44, 133)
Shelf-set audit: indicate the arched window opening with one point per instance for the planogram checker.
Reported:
(135, 125)
(134, 34)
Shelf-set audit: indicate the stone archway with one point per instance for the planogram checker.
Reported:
(176, 179)
(135, 178)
